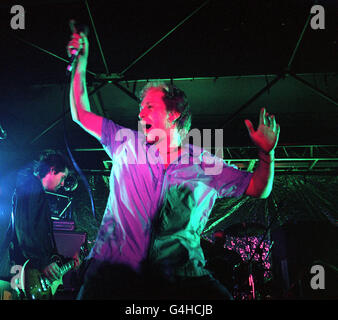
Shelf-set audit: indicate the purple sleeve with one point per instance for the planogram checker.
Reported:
(114, 135)
(232, 182)
(226, 179)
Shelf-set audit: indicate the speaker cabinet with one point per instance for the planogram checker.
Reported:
(68, 243)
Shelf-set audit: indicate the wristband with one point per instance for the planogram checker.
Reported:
(263, 156)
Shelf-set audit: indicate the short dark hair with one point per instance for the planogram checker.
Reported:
(175, 100)
(50, 159)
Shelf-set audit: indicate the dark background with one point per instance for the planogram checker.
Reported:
(221, 56)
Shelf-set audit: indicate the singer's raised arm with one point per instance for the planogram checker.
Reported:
(79, 101)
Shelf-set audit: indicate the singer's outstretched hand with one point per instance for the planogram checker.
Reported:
(267, 134)
(79, 42)
(79, 100)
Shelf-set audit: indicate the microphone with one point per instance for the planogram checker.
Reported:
(75, 28)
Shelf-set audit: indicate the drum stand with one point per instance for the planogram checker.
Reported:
(258, 247)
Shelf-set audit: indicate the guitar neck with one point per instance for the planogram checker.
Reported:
(67, 267)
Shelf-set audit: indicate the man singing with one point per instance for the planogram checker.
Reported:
(161, 194)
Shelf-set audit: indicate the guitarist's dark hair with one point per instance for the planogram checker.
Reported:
(50, 159)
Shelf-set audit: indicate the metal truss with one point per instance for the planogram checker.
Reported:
(117, 78)
(309, 159)
(291, 159)
(298, 159)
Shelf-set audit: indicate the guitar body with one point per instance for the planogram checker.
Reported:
(55, 285)
(33, 286)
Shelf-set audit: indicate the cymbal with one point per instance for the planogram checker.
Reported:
(245, 229)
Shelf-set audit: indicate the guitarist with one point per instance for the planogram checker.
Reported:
(33, 231)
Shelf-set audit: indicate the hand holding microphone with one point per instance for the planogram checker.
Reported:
(78, 46)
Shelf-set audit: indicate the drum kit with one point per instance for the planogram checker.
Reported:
(244, 275)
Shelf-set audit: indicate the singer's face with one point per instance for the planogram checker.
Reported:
(153, 115)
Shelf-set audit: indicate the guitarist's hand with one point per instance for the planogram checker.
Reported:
(77, 260)
(52, 271)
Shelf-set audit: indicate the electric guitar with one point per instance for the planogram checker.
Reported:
(36, 286)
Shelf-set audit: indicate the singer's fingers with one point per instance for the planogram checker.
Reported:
(249, 126)
(262, 115)
(84, 38)
(78, 43)
(84, 42)
(79, 37)
(273, 123)
(75, 36)
(75, 43)
(73, 47)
